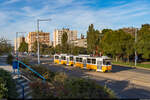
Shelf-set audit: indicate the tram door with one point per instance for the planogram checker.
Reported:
(59, 59)
(67, 60)
(99, 65)
(84, 63)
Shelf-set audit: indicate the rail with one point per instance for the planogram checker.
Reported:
(32, 70)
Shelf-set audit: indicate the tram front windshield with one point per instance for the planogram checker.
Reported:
(106, 62)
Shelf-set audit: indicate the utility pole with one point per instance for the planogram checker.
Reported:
(17, 56)
(38, 44)
(135, 47)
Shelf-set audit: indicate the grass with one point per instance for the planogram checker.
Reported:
(131, 64)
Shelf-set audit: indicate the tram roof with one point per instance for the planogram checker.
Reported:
(84, 55)
(102, 57)
(63, 54)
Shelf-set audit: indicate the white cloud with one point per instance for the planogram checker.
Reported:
(77, 17)
(10, 2)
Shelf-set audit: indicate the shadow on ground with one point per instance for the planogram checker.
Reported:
(124, 89)
(117, 68)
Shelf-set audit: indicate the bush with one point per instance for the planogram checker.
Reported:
(25, 61)
(62, 86)
(3, 89)
(10, 59)
(42, 71)
(83, 88)
(60, 77)
(9, 84)
(41, 90)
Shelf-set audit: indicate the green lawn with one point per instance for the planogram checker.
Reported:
(131, 64)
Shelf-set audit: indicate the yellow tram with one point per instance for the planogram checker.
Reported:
(57, 59)
(102, 63)
(70, 60)
(63, 59)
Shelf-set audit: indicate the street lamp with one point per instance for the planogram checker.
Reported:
(38, 45)
(136, 57)
(17, 57)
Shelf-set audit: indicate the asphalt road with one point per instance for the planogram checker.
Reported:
(126, 82)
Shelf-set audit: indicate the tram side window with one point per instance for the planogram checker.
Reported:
(88, 60)
(80, 59)
(71, 58)
(77, 59)
(93, 61)
(63, 58)
(56, 57)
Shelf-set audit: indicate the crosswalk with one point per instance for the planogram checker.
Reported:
(23, 83)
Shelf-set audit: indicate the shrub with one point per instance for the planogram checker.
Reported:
(25, 61)
(10, 84)
(3, 89)
(63, 86)
(41, 90)
(10, 59)
(42, 70)
(83, 88)
(60, 77)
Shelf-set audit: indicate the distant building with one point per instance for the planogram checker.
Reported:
(82, 42)
(129, 30)
(18, 41)
(44, 38)
(57, 34)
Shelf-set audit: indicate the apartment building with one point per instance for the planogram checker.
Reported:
(57, 35)
(44, 38)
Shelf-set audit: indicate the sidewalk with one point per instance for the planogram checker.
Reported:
(6, 67)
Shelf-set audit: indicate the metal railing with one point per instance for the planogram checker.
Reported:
(32, 70)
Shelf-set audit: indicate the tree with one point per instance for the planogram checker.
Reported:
(117, 44)
(5, 46)
(64, 43)
(23, 47)
(58, 48)
(34, 47)
(143, 41)
(92, 39)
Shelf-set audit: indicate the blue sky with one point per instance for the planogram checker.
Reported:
(21, 15)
